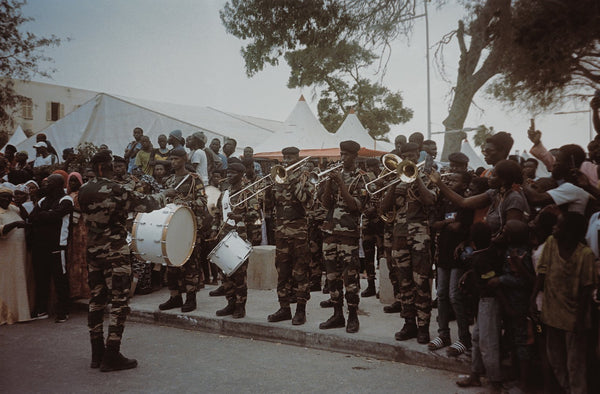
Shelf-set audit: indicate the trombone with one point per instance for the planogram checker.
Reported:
(278, 174)
(316, 177)
(404, 170)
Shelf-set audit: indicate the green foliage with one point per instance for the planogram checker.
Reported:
(481, 135)
(328, 44)
(555, 52)
(21, 57)
(85, 151)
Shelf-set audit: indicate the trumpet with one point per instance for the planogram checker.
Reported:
(404, 170)
(278, 174)
(316, 177)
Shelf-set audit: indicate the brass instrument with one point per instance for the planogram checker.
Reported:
(278, 174)
(316, 177)
(403, 170)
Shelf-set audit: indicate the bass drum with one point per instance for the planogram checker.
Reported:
(165, 236)
(230, 253)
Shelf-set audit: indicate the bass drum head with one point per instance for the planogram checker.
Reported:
(180, 236)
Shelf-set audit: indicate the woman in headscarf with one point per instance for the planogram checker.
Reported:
(76, 249)
(14, 302)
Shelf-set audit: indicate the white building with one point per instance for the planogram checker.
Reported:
(46, 103)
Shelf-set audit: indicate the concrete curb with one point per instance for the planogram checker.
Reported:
(342, 342)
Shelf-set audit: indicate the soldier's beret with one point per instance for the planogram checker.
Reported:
(350, 146)
(290, 150)
(101, 157)
(178, 152)
(458, 157)
(410, 147)
(237, 167)
(116, 159)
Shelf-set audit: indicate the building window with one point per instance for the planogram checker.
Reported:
(27, 108)
(54, 111)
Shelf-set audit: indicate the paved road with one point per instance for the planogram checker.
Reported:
(46, 357)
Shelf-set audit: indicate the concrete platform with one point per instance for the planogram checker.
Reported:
(375, 338)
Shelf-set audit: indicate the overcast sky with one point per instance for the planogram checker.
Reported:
(177, 51)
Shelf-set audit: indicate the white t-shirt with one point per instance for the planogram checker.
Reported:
(44, 161)
(568, 193)
(199, 159)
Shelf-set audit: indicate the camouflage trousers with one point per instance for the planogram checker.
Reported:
(236, 285)
(291, 260)
(185, 279)
(109, 280)
(411, 255)
(387, 253)
(143, 271)
(315, 243)
(343, 264)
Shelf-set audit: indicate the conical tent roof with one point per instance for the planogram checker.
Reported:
(15, 139)
(110, 120)
(301, 129)
(352, 129)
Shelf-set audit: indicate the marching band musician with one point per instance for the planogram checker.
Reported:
(235, 285)
(190, 192)
(411, 252)
(105, 205)
(316, 217)
(290, 200)
(345, 197)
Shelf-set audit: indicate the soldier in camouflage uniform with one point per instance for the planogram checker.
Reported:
(316, 218)
(105, 204)
(190, 192)
(345, 197)
(291, 199)
(235, 285)
(411, 251)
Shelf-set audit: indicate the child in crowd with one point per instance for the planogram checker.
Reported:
(453, 228)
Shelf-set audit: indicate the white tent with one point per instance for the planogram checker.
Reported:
(475, 160)
(352, 129)
(110, 120)
(15, 139)
(302, 130)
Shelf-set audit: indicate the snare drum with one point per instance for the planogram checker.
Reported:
(230, 253)
(165, 236)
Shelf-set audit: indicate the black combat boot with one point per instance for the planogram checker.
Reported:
(335, 321)
(190, 302)
(113, 360)
(408, 331)
(327, 304)
(97, 352)
(284, 313)
(219, 291)
(326, 287)
(353, 324)
(239, 310)
(370, 291)
(396, 307)
(316, 285)
(300, 315)
(423, 334)
(172, 303)
(228, 310)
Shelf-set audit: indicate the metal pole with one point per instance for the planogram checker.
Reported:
(428, 78)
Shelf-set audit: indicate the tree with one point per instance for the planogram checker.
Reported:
(21, 57)
(488, 37)
(555, 53)
(319, 56)
(481, 134)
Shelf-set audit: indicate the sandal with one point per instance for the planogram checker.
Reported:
(456, 349)
(438, 343)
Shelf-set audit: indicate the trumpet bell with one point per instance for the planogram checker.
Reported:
(278, 173)
(390, 161)
(408, 171)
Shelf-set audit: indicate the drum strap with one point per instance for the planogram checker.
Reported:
(182, 181)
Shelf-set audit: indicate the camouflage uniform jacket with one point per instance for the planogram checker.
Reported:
(409, 207)
(317, 212)
(340, 220)
(105, 205)
(248, 210)
(291, 199)
(191, 194)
